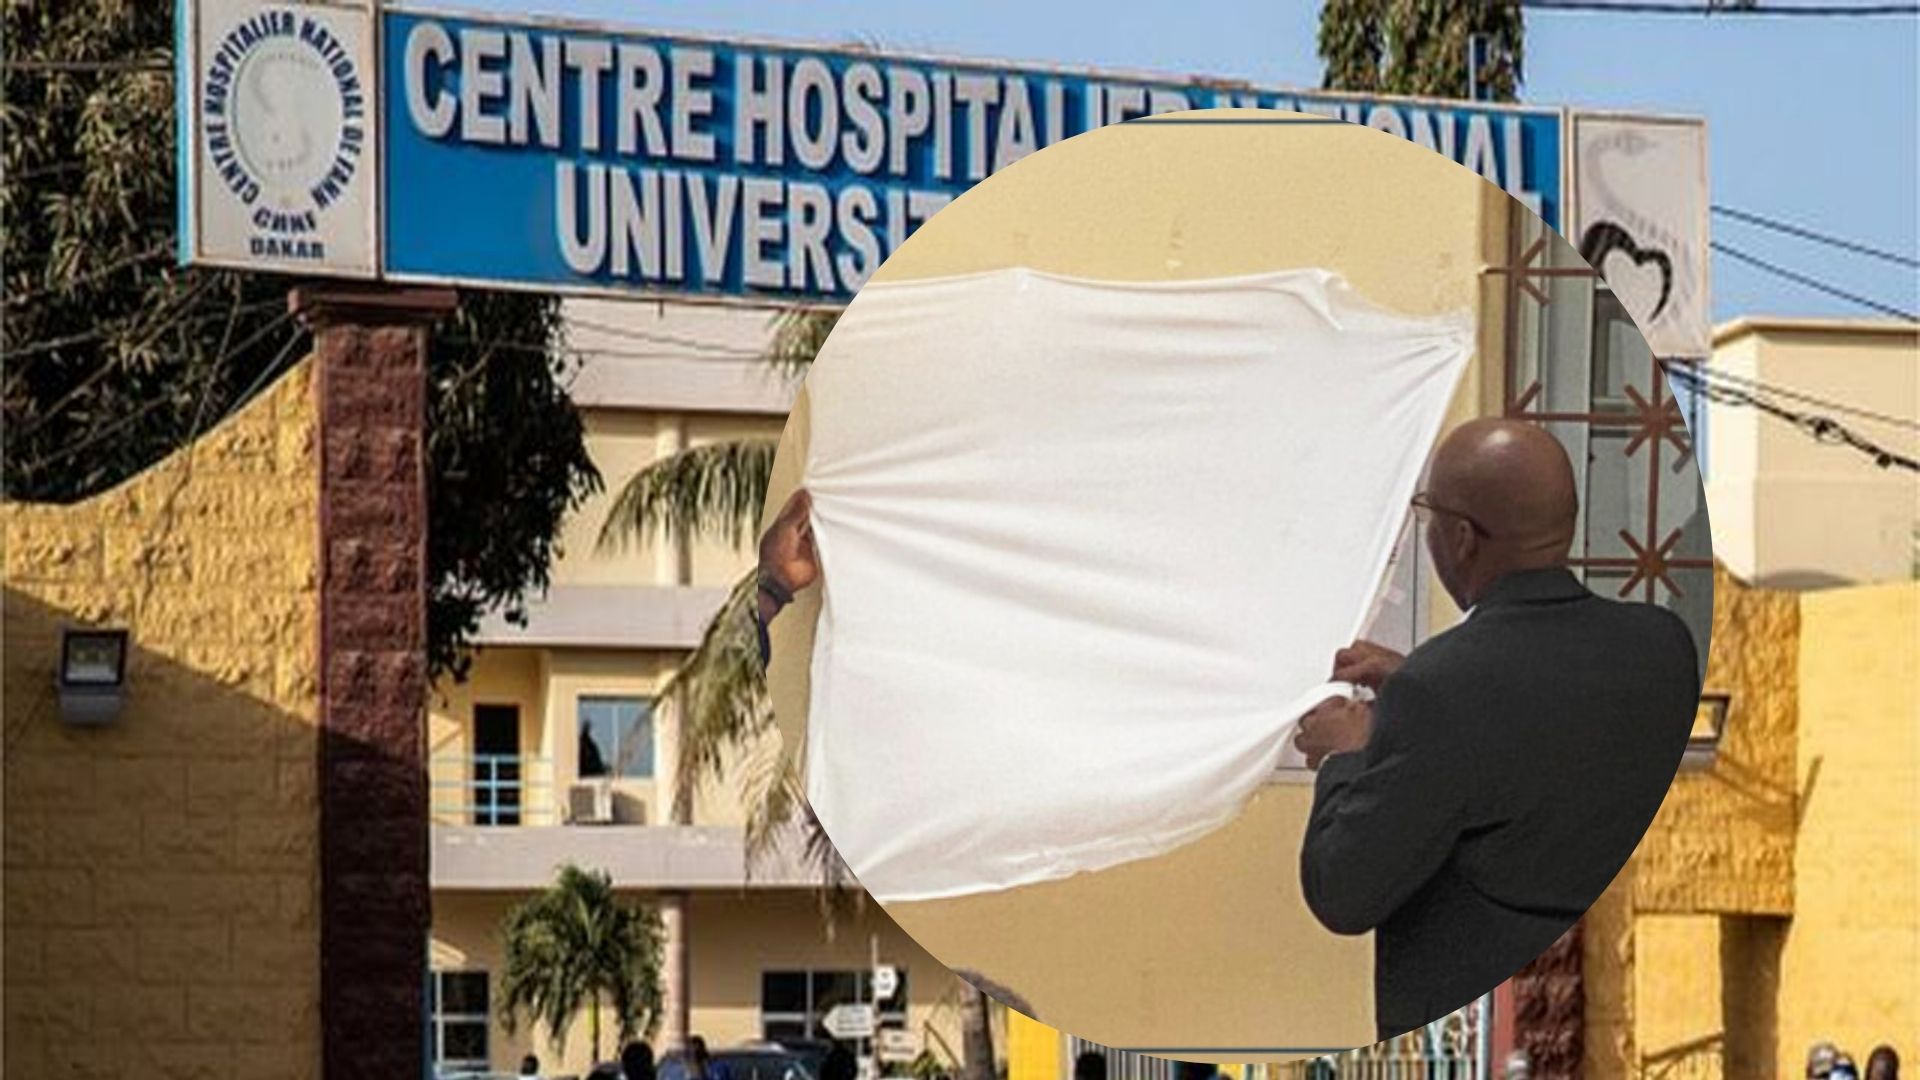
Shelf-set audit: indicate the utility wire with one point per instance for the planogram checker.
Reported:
(1812, 283)
(1654, 7)
(1714, 374)
(1808, 234)
(537, 348)
(658, 338)
(1822, 429)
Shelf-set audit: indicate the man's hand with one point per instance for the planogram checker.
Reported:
(1364, 663)
(787, 555)
(1337, 725)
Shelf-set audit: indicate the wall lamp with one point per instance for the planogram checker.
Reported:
(1709, 727)
(93, 676)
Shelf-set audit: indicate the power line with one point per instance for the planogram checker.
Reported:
(1812, 283)
(1714, 374)
(1822, 429)
(1655, 7)
(537, 348)
(658, 338)
(1808, 234)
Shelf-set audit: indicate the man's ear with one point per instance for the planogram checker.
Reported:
(1466, 542)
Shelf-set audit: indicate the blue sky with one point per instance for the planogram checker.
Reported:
(1813, 120)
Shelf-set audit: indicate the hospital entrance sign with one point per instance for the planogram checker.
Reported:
(408, 143)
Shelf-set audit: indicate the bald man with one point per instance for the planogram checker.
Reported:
(1508, 766)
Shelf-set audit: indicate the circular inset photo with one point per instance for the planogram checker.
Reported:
(1236, 585)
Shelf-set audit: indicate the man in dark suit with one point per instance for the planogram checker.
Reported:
(1508, 766)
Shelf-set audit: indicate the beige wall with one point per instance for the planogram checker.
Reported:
(1851, 966)
(547, 685)
(1794, 512)
(499, 676)
(160, 872)
(1210, 945)
(734, 938)
(622, 442)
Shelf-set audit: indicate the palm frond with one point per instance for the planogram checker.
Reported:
(712, 490)
(719, 694)
(779, 815)
(798, 334)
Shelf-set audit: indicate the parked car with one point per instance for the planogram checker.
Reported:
(755, 1061)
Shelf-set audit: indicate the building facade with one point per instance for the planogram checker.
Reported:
(560, 747)
(1793, 512)
(1112, 956)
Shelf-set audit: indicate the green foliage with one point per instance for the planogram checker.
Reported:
(574, 946)
(714, 489)
(798, 335)
(1420, 46)
(116, 357)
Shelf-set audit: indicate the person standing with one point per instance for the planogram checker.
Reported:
(1509, 766)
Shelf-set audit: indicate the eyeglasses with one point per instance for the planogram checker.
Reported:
(1424, 509)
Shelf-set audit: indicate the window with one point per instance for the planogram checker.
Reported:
(1576, 365)
(794, 1004)
(459, 1008)
(616, 737)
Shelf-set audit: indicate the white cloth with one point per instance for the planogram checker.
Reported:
(1088, 549)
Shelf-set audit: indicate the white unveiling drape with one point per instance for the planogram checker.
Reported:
(1088, 548)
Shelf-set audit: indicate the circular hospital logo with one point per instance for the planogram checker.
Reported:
(283, 123)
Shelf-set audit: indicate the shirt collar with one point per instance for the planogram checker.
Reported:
(1554, 583)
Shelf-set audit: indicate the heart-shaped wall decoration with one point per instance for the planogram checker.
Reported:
(1603, 241)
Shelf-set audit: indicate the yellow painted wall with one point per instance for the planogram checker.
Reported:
(1678, 986)
(1723, 840)
(733, 938)
(1211, 944)
(1776, 901)
(1610, 1047)
(499, 676)
(1851, 966)
(160, 874)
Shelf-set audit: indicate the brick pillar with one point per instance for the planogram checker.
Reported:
(1549, 1009)
(370, 374)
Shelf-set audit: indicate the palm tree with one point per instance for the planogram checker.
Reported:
(575, 944)
(720, 690)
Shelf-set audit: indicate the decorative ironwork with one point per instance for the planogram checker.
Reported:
(1654, 419)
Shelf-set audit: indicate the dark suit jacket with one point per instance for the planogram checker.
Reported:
(1515, 761)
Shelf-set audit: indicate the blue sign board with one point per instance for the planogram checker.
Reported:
(578, 158)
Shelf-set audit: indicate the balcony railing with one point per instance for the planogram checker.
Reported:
(492, 789)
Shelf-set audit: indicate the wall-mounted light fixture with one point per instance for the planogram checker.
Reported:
(93, 675)
(1709, 727)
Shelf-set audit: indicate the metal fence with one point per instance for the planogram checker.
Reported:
(1454, 1047)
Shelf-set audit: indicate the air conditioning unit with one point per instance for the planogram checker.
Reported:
(590, 802)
